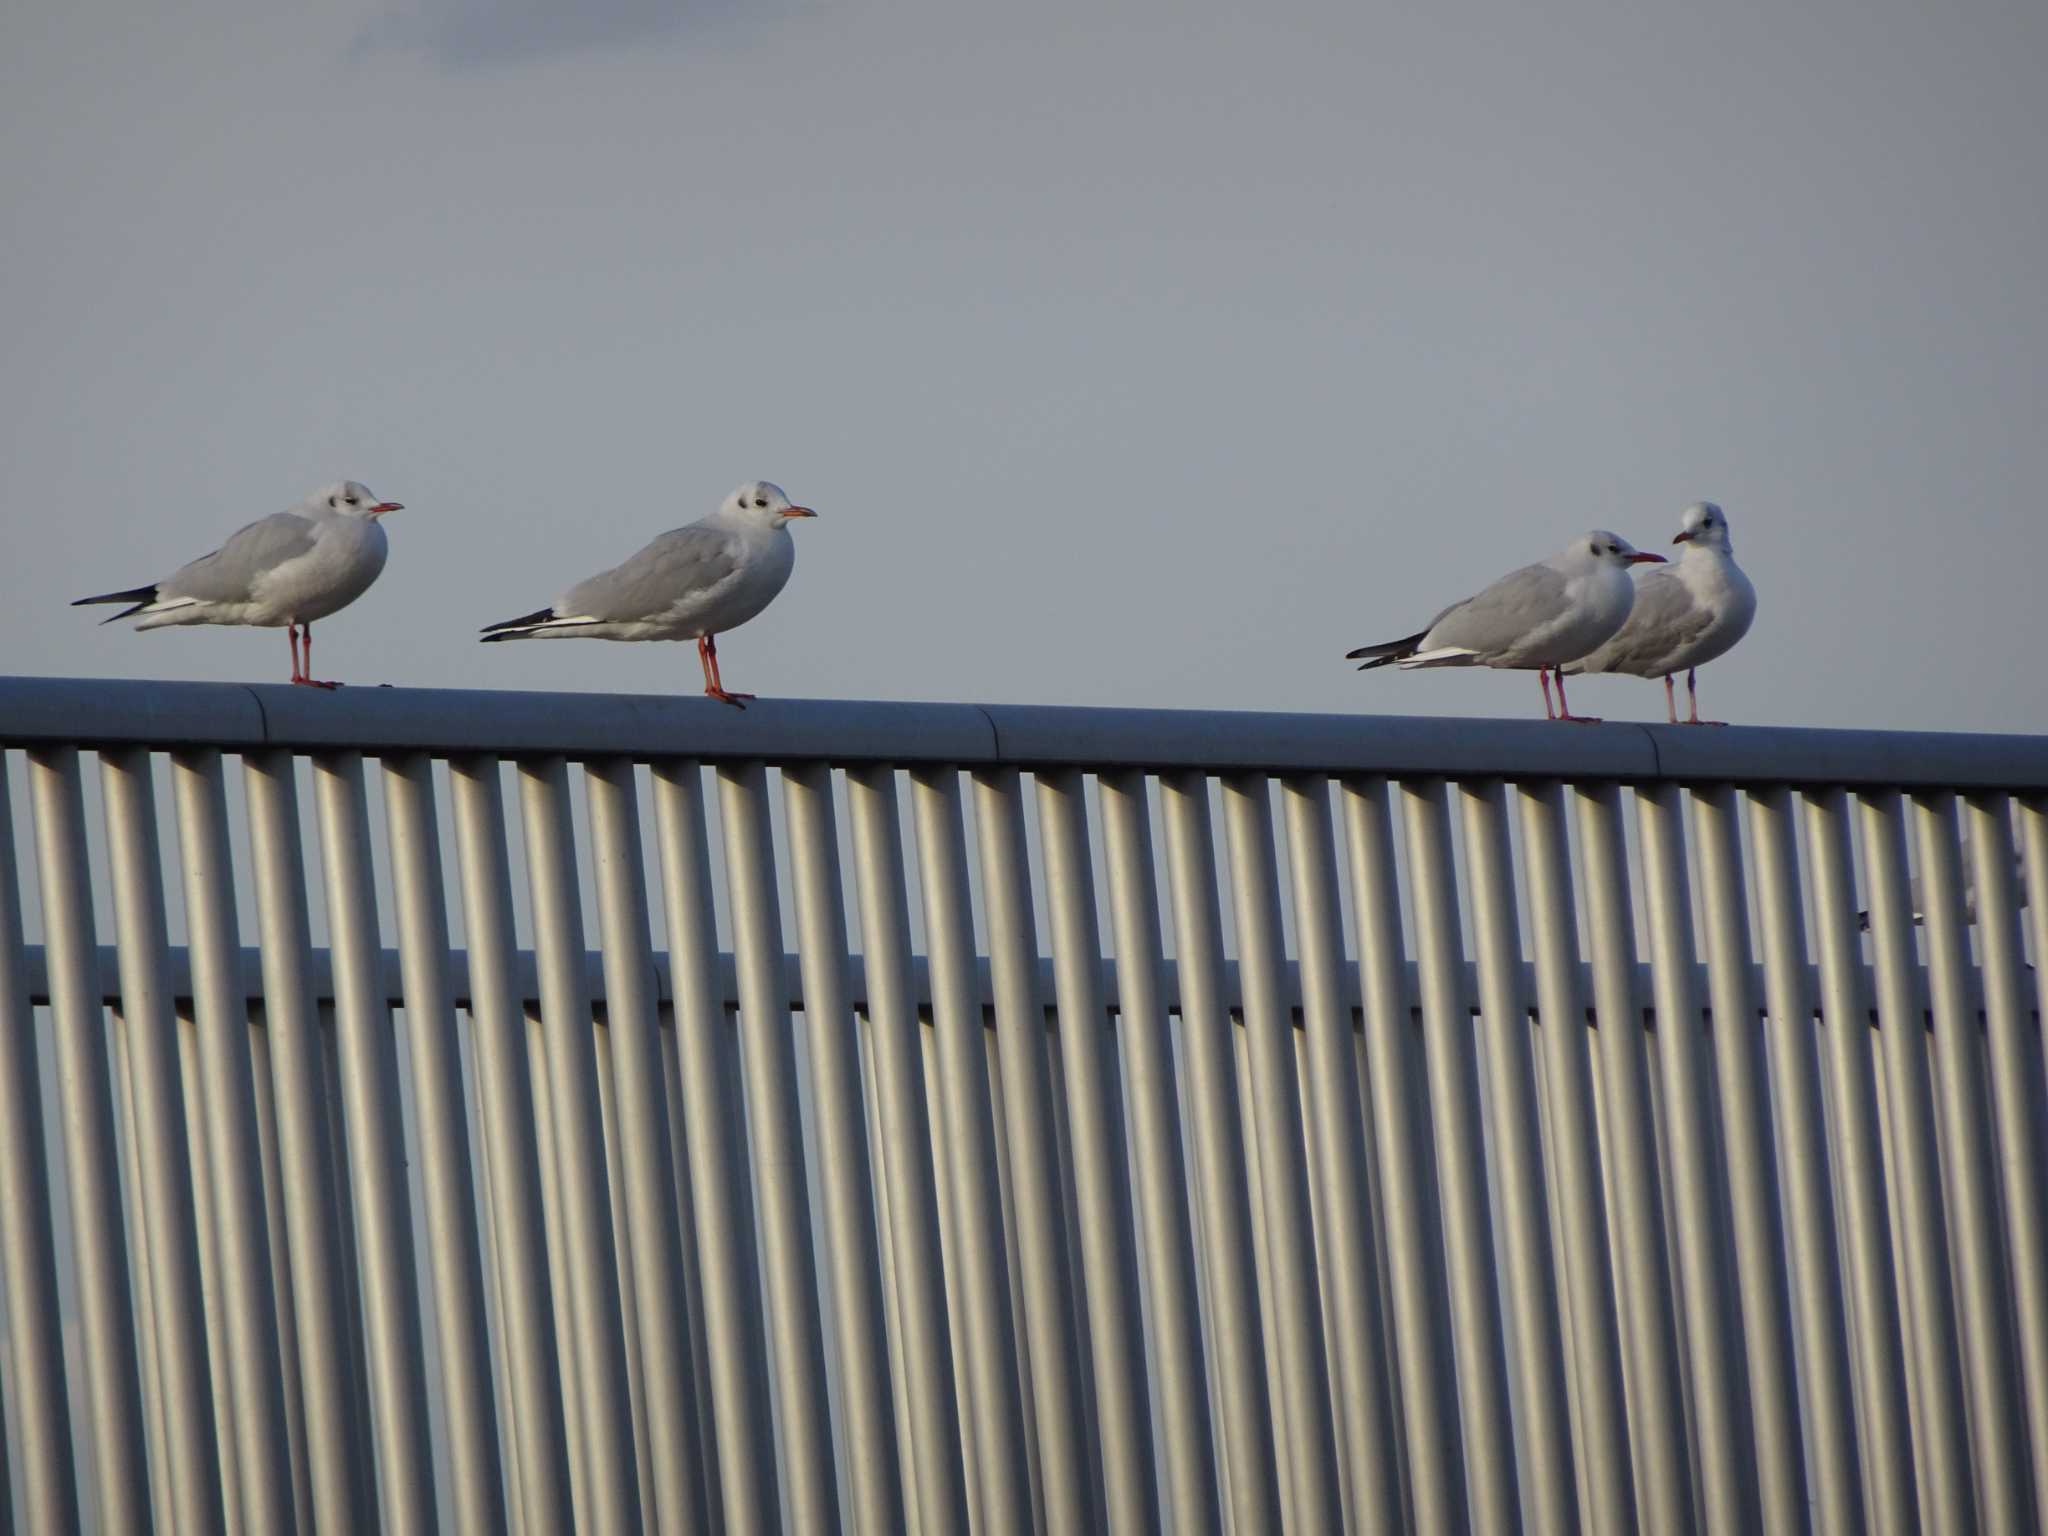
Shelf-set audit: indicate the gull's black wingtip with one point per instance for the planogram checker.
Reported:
(524, 621)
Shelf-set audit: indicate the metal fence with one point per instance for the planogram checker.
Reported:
(1416, 1124)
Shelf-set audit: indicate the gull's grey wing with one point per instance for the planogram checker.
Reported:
(226, 575)
(1506, 611)
(674, 566)
(1663, 619)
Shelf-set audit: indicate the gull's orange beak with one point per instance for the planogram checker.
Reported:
(799, 512)
(386, 506)
(1644, 557)
(1684, 536)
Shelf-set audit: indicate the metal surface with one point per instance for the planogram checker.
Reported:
(1728, 1449)
(36, 1391)
(597, 1342)
(1274, 1221)
(162, 1169)
(1816, 1280)
(442, 1116)
(644, 1165)
(112, 1384)
(1461, 1160)
(244, 717)
(994, 1387)
(1309, 1449)
(538, 1450)
(1537, 1328)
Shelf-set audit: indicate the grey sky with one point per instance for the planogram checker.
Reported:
(1147, 353)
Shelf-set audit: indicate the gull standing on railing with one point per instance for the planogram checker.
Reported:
(289, 568)
(691, 583)
(1686, 615)
(1536, 618)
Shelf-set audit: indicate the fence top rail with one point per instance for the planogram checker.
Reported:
(235, 717)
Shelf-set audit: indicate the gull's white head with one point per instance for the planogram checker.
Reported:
(1705, 526)
(352, 498)
(762, 504)
(1600, 547)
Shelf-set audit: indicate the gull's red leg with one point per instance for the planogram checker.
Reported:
(1692, 694)
(1543, 677)
(1670, 702)
(1564, 709)
(306, 668)
(713, 683)
(291, 634)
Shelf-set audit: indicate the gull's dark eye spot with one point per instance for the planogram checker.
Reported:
(760, 501)
(1595, 548)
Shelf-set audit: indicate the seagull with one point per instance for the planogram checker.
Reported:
(1538, 617)
(289, 568)
(1685, 615)
(691, 583)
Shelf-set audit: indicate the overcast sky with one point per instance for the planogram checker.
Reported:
(1145, 353)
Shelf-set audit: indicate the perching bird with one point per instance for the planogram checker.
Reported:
(289, 568)
(691, 583)
(1686, 615)
(1536, 618)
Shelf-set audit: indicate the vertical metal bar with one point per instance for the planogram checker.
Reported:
(1269, 1039)
(1916, 1163)
(2014, 1086)
(342, 1215)
(277, 1257)
(1999, 1416)
(623, 1268)
(906, 1141)
(442, 1113)
(162, 1501)
(1765, 1318)
(2033, 827)
(1727, 1447)
(795, 1333)
(1803, 1151)
(841, 1131)
(1876, 1327)
(724, 1217)
(1052, 1330)
(999, 1113)
(1346, 1241)
(1422, 1340)
(206, 1215)
(693, 1276)
(993, 1377)
(600, 1343)
(1167, 1241)
(1109, 1267)
(1460, 1155)
(892, 1297)
(641, 1094)
(1657, 1406)
(368, 1061)
(494, 1279)
(1252, 1480)
(85, 1103)
(36, 1387)
(552, 1229)
(1518, 1151)
(162, 1164)
(318, 1273)
(512, 1152)
(1605, 1452)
